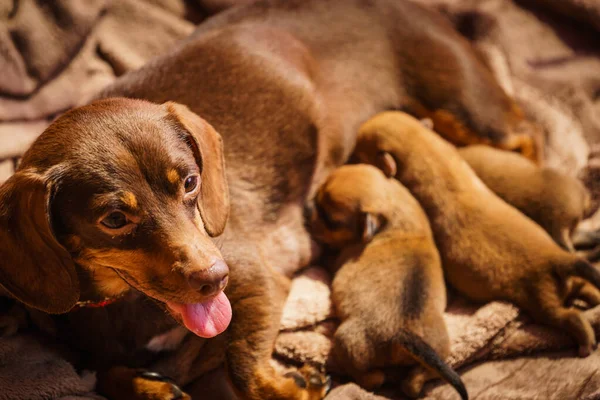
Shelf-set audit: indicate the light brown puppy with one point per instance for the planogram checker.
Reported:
(555, 201)
(489, 250)
(389, 287)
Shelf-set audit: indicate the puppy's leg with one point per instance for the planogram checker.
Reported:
(372, 380)
(583, 290)
(590, 294)
(412, 385)
(354, 354)
(257, 304)
(548, 307)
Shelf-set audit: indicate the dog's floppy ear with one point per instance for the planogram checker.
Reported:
(34, 267)
(387, 164)
(207, 146)
(371, 224)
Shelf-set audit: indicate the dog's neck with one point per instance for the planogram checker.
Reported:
(91, 295)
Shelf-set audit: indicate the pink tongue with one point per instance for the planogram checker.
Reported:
(206, 319)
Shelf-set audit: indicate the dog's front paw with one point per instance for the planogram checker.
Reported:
(153, 386)
(122, 383)
(312, 380)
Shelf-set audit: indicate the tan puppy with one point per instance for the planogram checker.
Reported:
(389, 291)
(554, 200)
(489, 250)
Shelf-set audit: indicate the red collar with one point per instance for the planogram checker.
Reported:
(97, 303)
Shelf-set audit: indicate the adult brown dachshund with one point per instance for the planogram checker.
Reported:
(129, 197)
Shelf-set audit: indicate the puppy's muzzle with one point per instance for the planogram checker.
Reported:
(209, 282)
(308, 212)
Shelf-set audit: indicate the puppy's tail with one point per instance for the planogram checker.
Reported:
(425, 355)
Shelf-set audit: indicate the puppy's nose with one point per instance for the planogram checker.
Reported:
(210, 281)
(309, 209)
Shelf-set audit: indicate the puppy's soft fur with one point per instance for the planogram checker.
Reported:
(389, 288)
(555, 201)
(285, 84)
(489, 250)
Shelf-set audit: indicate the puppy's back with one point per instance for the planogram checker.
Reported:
(552, 199)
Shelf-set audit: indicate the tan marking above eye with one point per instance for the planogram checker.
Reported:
(173, 176)
(130, 200)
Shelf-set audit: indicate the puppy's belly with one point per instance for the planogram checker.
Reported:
(287, 245)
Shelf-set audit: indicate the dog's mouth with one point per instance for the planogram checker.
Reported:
(207, 319)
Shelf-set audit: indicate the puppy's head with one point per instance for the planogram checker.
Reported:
(119, 194)
(385, 139)
(350, 206)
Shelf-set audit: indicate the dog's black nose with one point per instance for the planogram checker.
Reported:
(210, 281)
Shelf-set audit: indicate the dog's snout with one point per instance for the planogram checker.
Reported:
(210, 281)
(309, 209)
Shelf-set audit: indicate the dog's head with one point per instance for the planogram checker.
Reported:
(350, 206)
(125, 193)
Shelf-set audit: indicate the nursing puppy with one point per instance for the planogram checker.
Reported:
(555, 201)
(389, 289)
(489, 250)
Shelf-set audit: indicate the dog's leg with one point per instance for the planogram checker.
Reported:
(122, 383)
(257, 301)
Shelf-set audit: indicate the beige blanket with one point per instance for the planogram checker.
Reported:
(550, 62)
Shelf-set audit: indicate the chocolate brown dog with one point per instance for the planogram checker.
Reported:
(555, 201)
(389, 287)
(489, 250)
(125, 194)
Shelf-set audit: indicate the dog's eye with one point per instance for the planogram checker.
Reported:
(115, 220)
(190, 184)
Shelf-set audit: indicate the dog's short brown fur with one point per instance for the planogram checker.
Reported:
(389, 287)
(555, 201)
(489, 250)
(285, 83)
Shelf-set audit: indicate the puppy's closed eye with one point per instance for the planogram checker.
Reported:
(327, 220)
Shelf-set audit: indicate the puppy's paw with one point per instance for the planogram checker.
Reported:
(152, 386)
(310, 379)
(371, 380)
(586, 350)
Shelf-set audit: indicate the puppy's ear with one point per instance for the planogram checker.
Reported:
(207, 146)
(371, 225)
(34, 267)
(387, 164)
